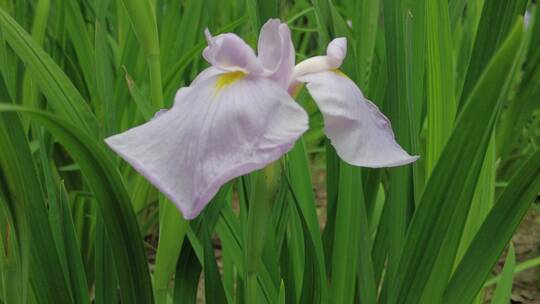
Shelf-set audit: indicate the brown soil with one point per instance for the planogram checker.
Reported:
(526, 241)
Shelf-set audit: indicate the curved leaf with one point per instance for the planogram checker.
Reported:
(435, 230)
(35, 242)
(114, 202)
(55, 85)
(495, 233)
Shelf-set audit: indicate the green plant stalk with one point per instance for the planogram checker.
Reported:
(106, 278)
(400, 110)
(303, 197)
(172, 231)
(324, 21)
(40, 21)
(84, 50)
(173, 226)
(143, 19)
(534, 262)
(483, 199)
(104, 71)
(252, 8)
(156, 88)
(10, 281)
(495, 23)
(141, 13)
(415, 35)
(345, 244)
(263, 193)
(441, 106)
(76, 273)
(516, 115)
(367, 21)
(12, 276)
(481, 204)
(352, 243)
(55, 211)
(39, 27)
(504, 287)
(6, 69)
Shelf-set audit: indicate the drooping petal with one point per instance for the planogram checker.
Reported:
(276, 51)
(361, 134)
(223, 127)
(229, 52)
(335, 53)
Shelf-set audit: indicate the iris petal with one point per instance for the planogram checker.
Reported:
(205, 74)
(361, 134)
(229, 52)
(276, 51)
(335, 53)
(212, 135)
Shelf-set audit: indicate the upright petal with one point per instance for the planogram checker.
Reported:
(229, 52)
(222, 127)
(335, 53)
(276, 51)
(361, 134)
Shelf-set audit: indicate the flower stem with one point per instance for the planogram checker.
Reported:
(260, 208)
(172, 232)
(173, 226)
(156, 88)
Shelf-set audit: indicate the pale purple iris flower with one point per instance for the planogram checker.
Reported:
(237, 117)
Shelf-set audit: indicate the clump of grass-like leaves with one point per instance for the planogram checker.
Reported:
(458, 79)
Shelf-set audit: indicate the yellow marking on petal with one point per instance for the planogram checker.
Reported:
(340, 73)
(227, 79)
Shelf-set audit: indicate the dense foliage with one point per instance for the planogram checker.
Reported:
(460, 81)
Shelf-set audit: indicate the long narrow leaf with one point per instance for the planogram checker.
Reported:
(113, 200)
(56, 86)
(451, 185)
(494, 233)
(504, 288)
